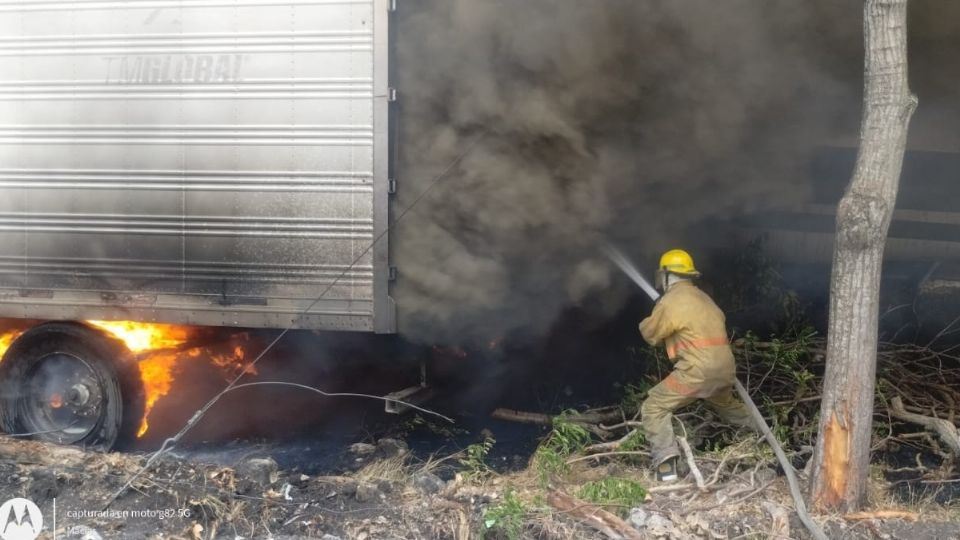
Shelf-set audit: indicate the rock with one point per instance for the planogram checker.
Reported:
(43, 486)
(334, 485)
(392, 447)
(330, 537)
(428, 483)
(362, 449)
(700, 526)
(300, 481)
(638, 518)
(263, 471)
(780, 519)
(766, 475)
(348, 489)
(367, 492)
(658, 525)
(758, 478)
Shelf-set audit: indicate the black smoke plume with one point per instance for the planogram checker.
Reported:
(621, 120)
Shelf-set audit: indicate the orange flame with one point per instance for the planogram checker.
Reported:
(141, 337)
(227, 361)
(6, 339)
(159, 358)
(156, 370)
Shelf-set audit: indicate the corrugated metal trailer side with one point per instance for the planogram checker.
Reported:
(213, 162)
(925, 225)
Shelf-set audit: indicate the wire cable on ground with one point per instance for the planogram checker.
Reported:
(169, 443)
(58, 430)
(340, 394)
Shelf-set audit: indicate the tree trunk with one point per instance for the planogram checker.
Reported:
(842, 455)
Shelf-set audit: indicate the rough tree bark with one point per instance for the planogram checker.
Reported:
(842, 455)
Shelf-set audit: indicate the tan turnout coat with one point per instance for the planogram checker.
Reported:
(693, 330)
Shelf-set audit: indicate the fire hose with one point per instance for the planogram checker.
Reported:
(630, 270)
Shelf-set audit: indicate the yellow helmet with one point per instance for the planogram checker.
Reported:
(679, 262)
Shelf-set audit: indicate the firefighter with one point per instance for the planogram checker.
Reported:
(693, 330)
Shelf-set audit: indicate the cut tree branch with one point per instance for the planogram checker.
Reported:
(606, 523)
(948, 432)
(883, 514)
(540, 419)
(697, 475)
(609, 446)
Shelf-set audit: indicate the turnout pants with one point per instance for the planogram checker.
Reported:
(680, 389)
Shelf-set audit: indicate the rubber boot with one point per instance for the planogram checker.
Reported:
(667, 471)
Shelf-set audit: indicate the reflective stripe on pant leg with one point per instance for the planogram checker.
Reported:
(656, 416)
(676, 383)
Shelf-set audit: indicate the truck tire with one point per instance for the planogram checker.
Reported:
(69, 383)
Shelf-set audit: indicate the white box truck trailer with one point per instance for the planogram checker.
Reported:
(208, 162)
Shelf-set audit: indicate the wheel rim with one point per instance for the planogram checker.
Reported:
(64, 399)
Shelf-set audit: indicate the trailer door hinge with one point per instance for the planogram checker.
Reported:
(391, 94)
(391, 185)
(392, 273)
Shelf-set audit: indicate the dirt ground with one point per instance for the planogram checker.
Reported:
(392, 495)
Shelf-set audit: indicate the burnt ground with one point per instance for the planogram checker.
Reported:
(388, 494)
(272, 464)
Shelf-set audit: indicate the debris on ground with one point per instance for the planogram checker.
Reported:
(401, 497)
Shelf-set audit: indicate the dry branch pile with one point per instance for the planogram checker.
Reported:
(916, 401)
(916, 396)
(915, 412)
